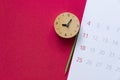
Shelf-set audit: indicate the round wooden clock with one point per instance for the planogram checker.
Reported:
(66, 25)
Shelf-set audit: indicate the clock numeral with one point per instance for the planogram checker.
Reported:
(56, 23)
(68, 15)
(65, 34)
(60, 32)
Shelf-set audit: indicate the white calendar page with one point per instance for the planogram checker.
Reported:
(97, 52)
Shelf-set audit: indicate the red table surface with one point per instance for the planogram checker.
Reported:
(29, 46)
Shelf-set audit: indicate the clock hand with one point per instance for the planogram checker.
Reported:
(67, 25)
(64, 25)
(69, 22)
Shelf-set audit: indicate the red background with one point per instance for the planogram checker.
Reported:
(29, 46)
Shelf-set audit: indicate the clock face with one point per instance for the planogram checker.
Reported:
(66, 25)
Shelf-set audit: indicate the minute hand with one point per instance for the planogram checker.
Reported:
(69, 23)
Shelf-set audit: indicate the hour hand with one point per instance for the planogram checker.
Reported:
(64, 25)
